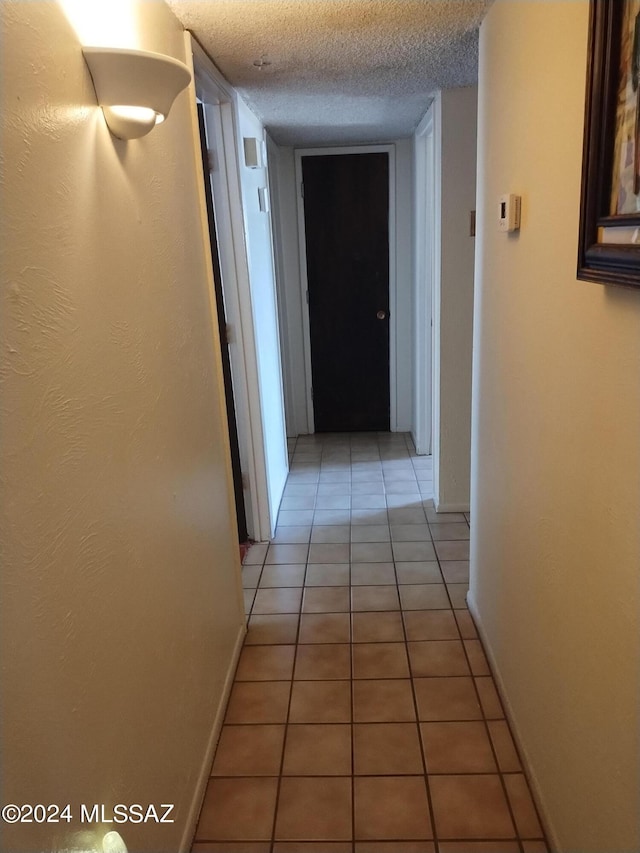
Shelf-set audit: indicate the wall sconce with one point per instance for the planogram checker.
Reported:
(135, 88)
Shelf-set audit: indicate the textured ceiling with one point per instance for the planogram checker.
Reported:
(338, 70)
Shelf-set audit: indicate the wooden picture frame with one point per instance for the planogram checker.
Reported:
(609, 236)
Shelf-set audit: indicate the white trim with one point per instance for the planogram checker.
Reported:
(219, 99)
(527, 765)
(186, 842)
(436, 107)
(424, 247)
(389, 149)
(286, 359)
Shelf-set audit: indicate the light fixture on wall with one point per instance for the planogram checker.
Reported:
(135, 88)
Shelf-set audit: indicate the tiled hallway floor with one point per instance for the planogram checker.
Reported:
(363, 717)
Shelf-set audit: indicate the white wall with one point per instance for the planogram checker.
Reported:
(121, 601)
(455, 121)
(293, 348)
(284, 211)
(555, 539)
(265, 313)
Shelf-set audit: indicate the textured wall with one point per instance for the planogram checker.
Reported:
(556, 476)
(121, 605)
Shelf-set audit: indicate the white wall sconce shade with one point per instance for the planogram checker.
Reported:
(135, 88)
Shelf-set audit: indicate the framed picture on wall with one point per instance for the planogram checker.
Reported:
(609, 238)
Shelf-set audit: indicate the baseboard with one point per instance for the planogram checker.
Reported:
(536, 792)
(205, 771)
(444, 507)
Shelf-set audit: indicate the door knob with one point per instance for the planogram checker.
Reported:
(381, 315)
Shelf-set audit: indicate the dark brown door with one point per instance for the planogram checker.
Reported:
(346, 208)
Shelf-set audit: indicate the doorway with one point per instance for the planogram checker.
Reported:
(346, 214)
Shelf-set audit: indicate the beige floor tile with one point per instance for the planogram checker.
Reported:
(470, 807)
(256, 554)
(312, 847)
(406, 515)
(320, 702)
(251, 576)
(385, 627)
(465, 624)
(318, 750)
(491, 705)
(332, 534)
(272, 629)
(231, 847)
(380, 660)
(328, 553)
(265, 663)
(287, 554)
(391, 807)
(479, 847)
(381, 749)
(371, 552)
(434, 517)
(430, 625)
(461, 747)
(311, 809)
(376, 598)
(455, 571)
(383, 701)
(437, 658)
(452, 550)
(395, 847)
(370, 574)
(332, 516)
(281, 575)
(428, 596)
(249, 751)
(292, 535)
(325, 628)
(258, 702)
(370, 533)
(458, 594)
(522, 804)
(249, 597)
(411, 552)
(327, 574)
(238, 809)
(419, 572)
(505, 749)
(449, 531)
(477, 659)
(326, 599)
(441, 699)
(282, 600)
(410, 533)
(323, 662)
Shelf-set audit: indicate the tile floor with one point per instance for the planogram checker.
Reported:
(363, 717)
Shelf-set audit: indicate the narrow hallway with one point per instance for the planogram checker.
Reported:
(363, 717)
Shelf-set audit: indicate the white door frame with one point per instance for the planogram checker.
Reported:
(219, 101)
(426, 250)
(304, 284)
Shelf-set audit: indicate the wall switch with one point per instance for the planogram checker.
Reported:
(509, 208)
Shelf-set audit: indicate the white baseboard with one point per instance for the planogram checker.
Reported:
(205, 771)
(442, 507)
(508, 710)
